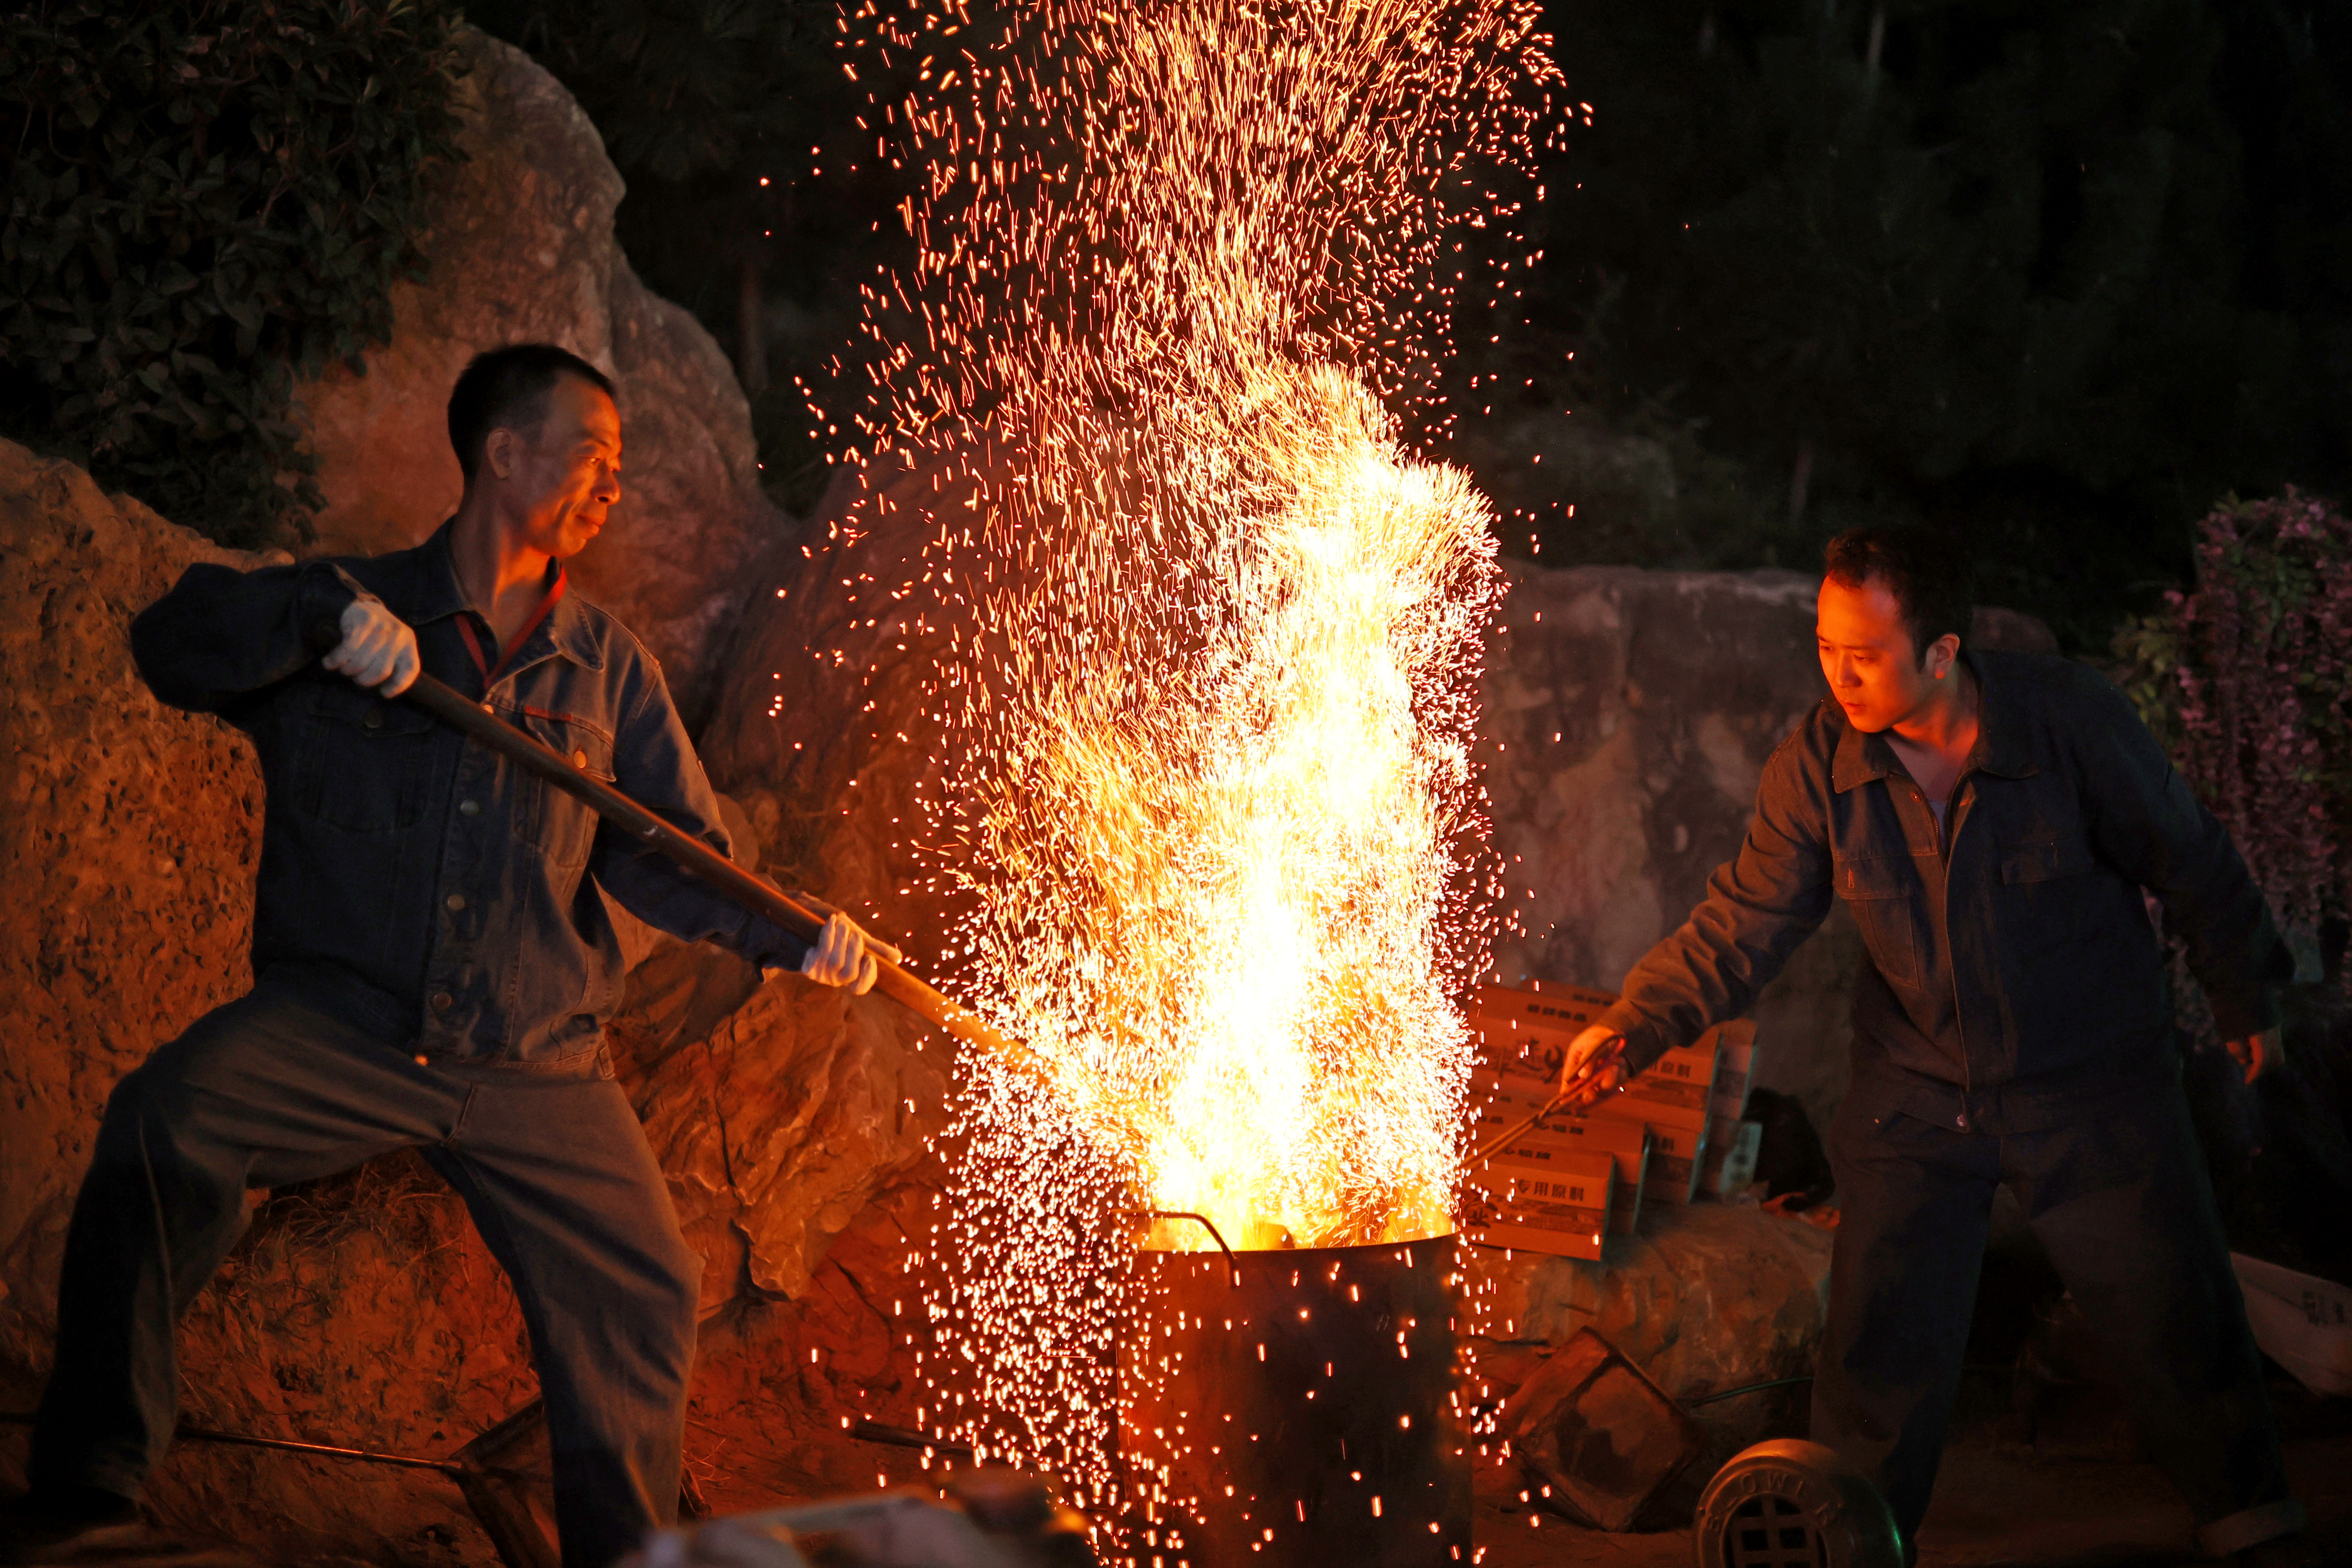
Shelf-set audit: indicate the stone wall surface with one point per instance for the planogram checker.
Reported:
(522, 248)
(1628, 717)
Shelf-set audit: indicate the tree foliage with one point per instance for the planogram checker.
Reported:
(2248, 679)
(2057, 274)
(204, 202)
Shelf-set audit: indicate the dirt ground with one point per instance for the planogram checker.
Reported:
(2064, 1503)
(2057, 1506)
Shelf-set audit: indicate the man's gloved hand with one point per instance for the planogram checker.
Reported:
(378, 648)
(842, 955)
(1595, 1066)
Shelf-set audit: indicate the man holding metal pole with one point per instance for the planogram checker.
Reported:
(1992, 819)
(435, 960)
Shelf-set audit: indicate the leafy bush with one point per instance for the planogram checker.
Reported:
(205, 201)
(2248, 679)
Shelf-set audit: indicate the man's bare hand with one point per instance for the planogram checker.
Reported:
(1595, 1066)
(844, 956)
(2258, 1054)
(378, 649)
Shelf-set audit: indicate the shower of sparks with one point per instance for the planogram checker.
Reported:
(1211, 809)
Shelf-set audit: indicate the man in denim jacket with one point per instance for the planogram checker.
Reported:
(1992, 819)
(434, 962)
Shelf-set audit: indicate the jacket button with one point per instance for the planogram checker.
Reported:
(578, 758)
(455, 901)
(374, 720)
(443, 1001)
(469, 808)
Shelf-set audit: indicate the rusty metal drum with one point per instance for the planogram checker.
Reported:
(1293, 1407)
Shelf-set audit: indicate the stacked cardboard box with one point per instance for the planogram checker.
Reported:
(1732, 1143)
(1675, 1133)
(1515, 1197)
(1730, 1165)
(1536, 1197)
(1500, 1102)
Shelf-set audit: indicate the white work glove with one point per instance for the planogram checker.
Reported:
(842, 955)
(378, 648)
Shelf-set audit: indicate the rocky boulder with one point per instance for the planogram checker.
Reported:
(127, 837)
(522, 248)
(1708, 1299)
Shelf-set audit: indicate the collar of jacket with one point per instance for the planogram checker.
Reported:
(2000, 747)
(422, 586)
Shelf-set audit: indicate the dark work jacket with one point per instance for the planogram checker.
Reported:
(2014, 977)
(412, 881)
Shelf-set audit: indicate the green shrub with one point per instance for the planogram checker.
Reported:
(2247, 679)
(205, 201)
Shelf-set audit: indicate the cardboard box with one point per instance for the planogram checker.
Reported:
(1557, 1201)
(1730, 1162)
(1528, 1032)
(1677, 1162)
(1735, 1071)
(1672, 1091)
(1499, 1100)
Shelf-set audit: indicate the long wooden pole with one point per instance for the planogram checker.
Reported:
(748, 888)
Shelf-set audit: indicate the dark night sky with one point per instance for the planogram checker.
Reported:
(2055, 277)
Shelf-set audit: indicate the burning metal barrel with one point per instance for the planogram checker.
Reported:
(1293, 1407)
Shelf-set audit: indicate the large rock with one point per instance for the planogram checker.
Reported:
(1706, 1299)
(128, 836)
(785, 1121)
(823, 729)
(522, 248)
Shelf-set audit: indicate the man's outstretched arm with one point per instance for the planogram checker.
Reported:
(1760, 906)
(2145, 822)
(221, 634)
(656, 766)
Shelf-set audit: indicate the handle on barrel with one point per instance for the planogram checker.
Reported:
(1214, 1234)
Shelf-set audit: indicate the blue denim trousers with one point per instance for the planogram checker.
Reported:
(271, 1090)
(2121, 1200)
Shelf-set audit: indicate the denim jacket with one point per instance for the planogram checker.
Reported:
(2014, 976)
(411, 881)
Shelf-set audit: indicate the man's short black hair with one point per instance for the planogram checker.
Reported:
(1926, 572)
(508, 388)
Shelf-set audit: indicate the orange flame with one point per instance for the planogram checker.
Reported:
(1213, 800)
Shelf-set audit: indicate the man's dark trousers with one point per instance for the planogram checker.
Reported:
(270, 1090)
(2120, 1198)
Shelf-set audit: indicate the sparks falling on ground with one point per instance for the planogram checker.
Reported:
(1212, 805)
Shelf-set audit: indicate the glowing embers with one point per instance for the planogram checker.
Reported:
(1206, 630)
(1303, 1417)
